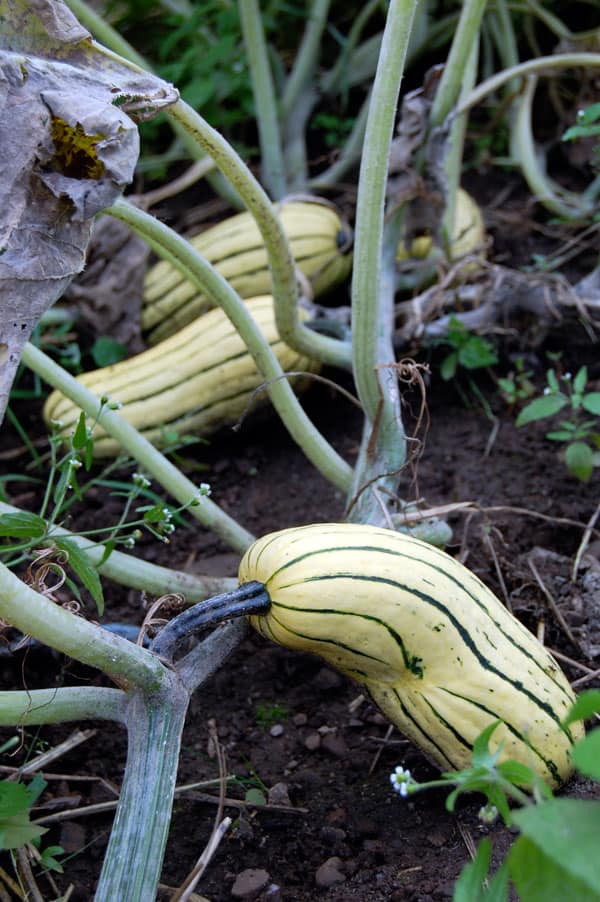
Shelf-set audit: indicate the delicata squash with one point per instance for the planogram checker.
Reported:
(193, 383)
(436, 650)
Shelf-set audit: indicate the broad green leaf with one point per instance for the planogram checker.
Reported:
(87, 573)
(586, 755)
(22, 525)
(587, 704)
(578, 458)
(540, 408)
(564, 832)
(591, 402)
(541, 878)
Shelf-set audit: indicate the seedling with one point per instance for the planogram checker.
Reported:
(517, 386)
(580, 435)
(470, 351)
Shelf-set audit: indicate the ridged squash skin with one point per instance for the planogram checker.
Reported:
(436, 650)
(195, 382)
(320, 243)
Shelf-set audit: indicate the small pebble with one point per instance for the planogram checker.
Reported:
(335, 745)
(277, 730)
(312, 742)
(330, 873)
(299, 720)
(278, 795)
(249, 883)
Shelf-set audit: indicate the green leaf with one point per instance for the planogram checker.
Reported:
(87, 573)
(560, 436)
(578, 458)
(481, 755)
(581, 131)
(255, 797)
(539, 878)
(540, 408)
(477, 353)
(80, 435)
(22, 525)
(48, 860)
(16, 828)
(552, 381)
(448, 366)
(561, 848)
(579, 382)
(516, 773)
(586, 755)
(470, 884)
(591, 402)
(587, 704)
(106, 351)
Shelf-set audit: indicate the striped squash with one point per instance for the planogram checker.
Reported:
(193, 383)
(436, 650)
(319, 241)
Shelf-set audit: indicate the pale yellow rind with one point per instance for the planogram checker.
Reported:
(437, 651)
(195, 382)
(236, 250)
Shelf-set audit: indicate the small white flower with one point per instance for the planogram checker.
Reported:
(401, 779)
(568, 377)
(203, 492)
(129, 542)
(546, 391)
(74, 463)
(140, 480)
(167, 515)
(168, 528)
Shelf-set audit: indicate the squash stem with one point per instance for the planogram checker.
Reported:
(41, 706)
(37, 616)
(305, 63)
(272, 164)
(133, 860)
(383, 450)
(249, 598)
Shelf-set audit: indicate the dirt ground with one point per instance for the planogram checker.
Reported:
(293, 729)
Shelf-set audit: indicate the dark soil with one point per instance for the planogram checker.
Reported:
(293, 728)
